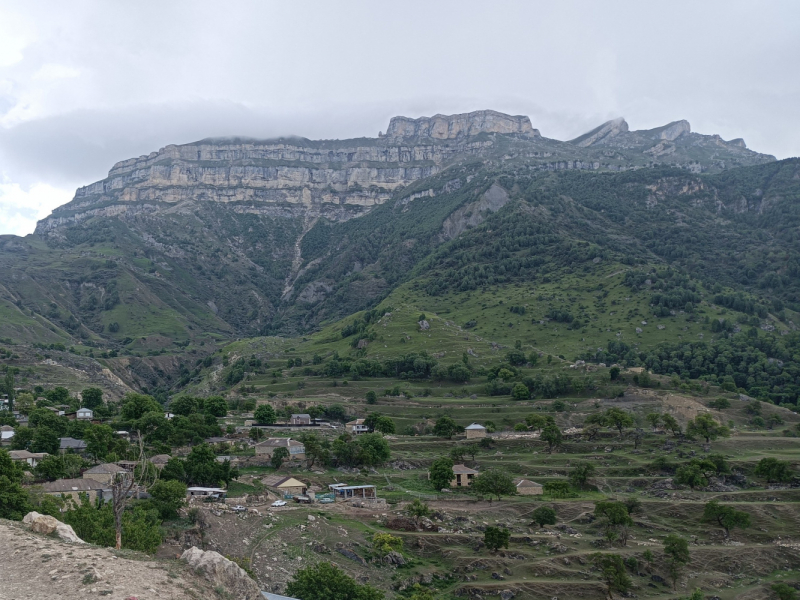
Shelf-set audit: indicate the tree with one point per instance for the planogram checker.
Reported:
(418, 509)
(494, 482)
(457, 453)
(23, 437)
(123, 484)
(671, 424)
(774, 470)
(695, 473)
(612, 573)
(14, 502)
(385, 425)
(59, 466)
(92, 397)
(472, 449)
(441, 473)
(613, 373)
(279, 455)
(174, 470)
(184, 406)
(325, 581)
(557, 489)
(202, 468)
(725, 516)
(618, 419)
(538, 422)
(168, 497)
(784, 591)
(615, 519)
(265, 415)
(371, 397)
(256, 434)
(706, 427)
(654, 419)
(99, 441)
(9, 386)
(134, 406)
(676, 550)
(215, 405)
(552, 435)
(372, 449)
(496, 538)
(384, 543)
(544, 515)
(317, 450)
(445, 427)
(580, 474)
(520, 392)
(720, 403)
(45, 440)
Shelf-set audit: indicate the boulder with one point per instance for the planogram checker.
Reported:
(507, 595)
(222, 573)
(394, 558)
(67, 534)
(44, 524)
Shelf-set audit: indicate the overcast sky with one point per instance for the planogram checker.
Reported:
(85, 84)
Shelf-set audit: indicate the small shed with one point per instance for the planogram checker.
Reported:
(347, 492)
(160, 460)
(526, 487)
(300, 419)
(475, 431)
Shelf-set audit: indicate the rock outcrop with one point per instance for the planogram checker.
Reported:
(609, 129)
(673, 130)
(45, 524)
(448, 127)
(222, 573)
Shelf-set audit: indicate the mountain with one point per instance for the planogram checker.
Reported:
(199, 244)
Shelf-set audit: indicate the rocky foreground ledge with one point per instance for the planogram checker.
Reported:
(36, 566)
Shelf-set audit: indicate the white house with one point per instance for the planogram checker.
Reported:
(84, 414)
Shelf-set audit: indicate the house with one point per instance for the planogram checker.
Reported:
(105, 472)
(287, 486)
(31, 458)
(475, 431)
(300, 419)
(60, 412)
(67, 443)
(6, 433)
(160, 460)
(84, 414)
(296, 449)
(528, 488)
(74, 487)
(347, 492)
(356, 427)
(463, 476)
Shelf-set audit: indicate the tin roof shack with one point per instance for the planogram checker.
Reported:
(285, 486)
(206, 493)
(528, 488)
(297, 451)
(95, 490)
(348, 492)
(475, 431)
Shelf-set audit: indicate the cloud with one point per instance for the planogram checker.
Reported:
(20, 208)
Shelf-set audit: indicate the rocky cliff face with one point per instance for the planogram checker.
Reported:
(448, 127)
